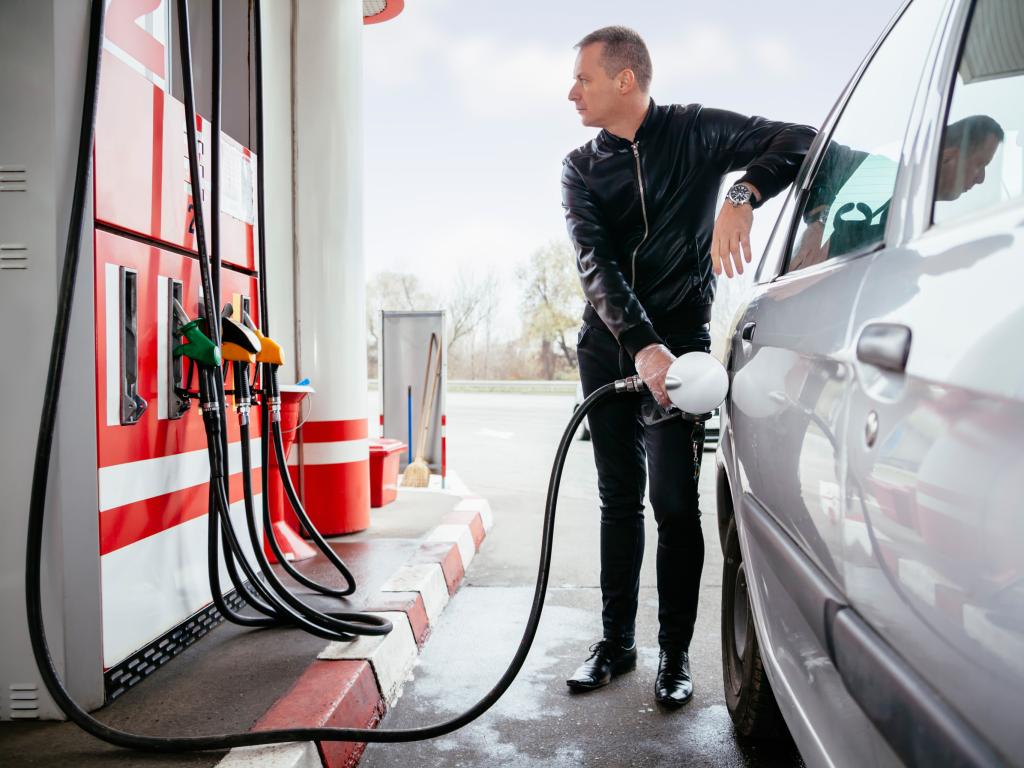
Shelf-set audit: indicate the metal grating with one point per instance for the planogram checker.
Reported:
(148, 660)
(23, 701)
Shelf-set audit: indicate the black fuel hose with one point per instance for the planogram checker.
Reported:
(278, 605)
(296, 504)
(300, 512)
(37, 513)
(270, 384)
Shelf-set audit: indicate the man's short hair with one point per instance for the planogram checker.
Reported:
(970, 132)
(623, 49)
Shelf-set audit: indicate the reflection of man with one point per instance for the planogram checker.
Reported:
(640, 202)
(968, 146)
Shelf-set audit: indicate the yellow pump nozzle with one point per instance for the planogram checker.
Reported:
(270, 350)
(235, 353)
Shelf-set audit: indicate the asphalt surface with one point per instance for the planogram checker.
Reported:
(502, 446)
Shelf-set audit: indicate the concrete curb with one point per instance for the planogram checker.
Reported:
(354, 684)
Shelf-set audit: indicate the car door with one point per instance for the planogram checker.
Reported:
(790, 385)
(935, 488)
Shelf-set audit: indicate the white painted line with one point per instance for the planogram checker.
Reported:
(461, 535)
(391, 656)
(340, 452)
(133, 481)
(427, 579)
(495, 433)
(300, 755)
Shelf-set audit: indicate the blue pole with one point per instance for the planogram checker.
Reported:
(409, 456)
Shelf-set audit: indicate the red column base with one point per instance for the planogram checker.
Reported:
(292, 545)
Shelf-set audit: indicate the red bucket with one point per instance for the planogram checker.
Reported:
(384, 458)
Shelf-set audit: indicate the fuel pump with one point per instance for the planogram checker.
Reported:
(697, 384)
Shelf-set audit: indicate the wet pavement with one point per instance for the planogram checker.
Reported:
(502, 445)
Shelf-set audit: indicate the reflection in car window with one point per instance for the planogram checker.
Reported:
(848, 202)
(981, 157)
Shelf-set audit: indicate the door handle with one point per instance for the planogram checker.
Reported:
(885, 345)
(747, 334)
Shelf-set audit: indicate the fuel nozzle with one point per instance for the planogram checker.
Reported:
(270, 350)
(238, 343)
(198, 346)
(696, 384)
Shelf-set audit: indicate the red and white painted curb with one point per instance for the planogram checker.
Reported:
(354, 684)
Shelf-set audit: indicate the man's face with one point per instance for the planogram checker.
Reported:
(597, 96)
(960, 172)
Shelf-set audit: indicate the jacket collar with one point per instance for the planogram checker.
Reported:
(616, 143)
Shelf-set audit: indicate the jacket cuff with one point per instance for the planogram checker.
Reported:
(765, 182)
(639, 336)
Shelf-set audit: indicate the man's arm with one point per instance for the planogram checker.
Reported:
(604, 285)
(771, 152)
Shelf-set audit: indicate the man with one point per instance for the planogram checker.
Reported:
(639, 203)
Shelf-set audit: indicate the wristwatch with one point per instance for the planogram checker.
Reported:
(739, 194)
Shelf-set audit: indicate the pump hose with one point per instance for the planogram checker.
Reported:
(296, 503)
(270, 382)
(37, 512)
(212, 396)
(273, 599)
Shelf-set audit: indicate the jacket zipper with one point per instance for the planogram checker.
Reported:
(643, 209)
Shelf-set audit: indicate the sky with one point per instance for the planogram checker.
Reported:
(467, 118)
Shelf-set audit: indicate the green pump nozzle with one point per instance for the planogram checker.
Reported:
(198, 346)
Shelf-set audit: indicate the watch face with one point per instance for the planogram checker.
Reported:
(739, 194)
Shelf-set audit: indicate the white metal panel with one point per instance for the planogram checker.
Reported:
(155, 583)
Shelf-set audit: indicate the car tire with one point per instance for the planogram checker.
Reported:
(748, 694)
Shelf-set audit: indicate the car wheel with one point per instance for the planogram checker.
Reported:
(748, 694)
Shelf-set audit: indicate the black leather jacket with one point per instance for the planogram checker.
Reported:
(641, 214)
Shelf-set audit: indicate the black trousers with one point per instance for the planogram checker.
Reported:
(625, 450)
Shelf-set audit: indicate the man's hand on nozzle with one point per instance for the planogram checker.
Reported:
(652, 364)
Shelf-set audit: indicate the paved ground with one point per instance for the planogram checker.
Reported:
(228, 679)
(502, 446)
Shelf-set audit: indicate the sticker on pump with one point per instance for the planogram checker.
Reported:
(237, 185)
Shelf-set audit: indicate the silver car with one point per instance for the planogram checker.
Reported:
(871, 464)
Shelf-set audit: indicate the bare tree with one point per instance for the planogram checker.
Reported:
(470, 304)
(393, 291)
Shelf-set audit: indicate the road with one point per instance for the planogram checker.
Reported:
(502, 446)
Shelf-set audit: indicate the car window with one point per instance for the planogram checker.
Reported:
(981, 155)
(847, 203)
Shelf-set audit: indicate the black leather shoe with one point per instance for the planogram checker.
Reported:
(673, 686)
(607, 659)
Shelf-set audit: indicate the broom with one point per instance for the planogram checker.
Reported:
(417, 474)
